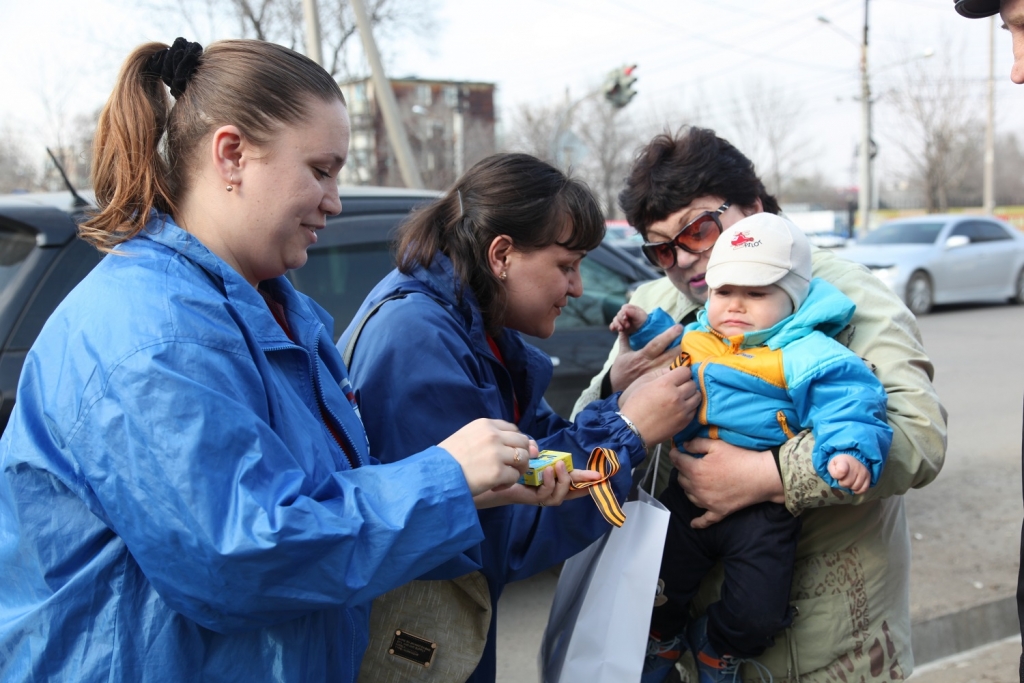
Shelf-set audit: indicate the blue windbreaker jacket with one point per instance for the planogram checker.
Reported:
(172, 504)
(422, 368)
(759, 389)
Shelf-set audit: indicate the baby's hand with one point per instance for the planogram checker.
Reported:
(629, 319)
(850, 473)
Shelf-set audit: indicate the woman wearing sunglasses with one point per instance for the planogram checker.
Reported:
(850, 589)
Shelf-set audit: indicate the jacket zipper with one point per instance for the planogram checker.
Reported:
(734, 348)
(353, 456)
(784, 423)
(703, 391)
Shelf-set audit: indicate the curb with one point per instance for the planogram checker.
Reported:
(953, 633)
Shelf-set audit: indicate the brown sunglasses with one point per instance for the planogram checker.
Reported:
(696, 237)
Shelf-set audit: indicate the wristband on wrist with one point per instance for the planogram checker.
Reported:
(632, 428)
(776, 452)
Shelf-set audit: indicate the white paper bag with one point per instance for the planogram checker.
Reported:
(601, 614)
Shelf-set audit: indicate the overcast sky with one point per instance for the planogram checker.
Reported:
(62, 56)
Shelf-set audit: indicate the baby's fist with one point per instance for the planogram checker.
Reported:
(850, 473)
(630, 318)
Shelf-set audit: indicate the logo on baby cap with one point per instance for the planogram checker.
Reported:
(742, 239)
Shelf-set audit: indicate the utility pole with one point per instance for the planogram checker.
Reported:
(988, 193)
(386, 99)
(459, 132)
(312, 20)
(864, 181)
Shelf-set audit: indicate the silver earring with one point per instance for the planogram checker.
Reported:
(229, 188)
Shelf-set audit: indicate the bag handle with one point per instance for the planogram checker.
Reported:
(653, 468)
(350, 348)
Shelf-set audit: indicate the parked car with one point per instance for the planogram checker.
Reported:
(824, 228)
(945, 259)
(625, 237)
(41, 260)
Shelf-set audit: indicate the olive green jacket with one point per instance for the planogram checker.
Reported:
(851, 579)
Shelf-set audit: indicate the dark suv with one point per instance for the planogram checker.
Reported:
(41, 260)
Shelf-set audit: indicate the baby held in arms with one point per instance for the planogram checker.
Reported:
(763, 346)
(763, 355)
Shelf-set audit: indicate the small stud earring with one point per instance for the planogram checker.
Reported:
(229, 188)
(503, 275)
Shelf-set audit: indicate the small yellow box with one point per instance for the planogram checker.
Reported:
(534, 475)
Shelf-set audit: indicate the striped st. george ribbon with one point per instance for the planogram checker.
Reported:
(605, 462)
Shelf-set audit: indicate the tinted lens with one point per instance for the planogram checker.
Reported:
(697, 237)
(700, 235)
(661, 255)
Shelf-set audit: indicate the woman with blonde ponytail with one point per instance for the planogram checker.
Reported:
(186, 490)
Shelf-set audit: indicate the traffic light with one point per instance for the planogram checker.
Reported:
(618, 86)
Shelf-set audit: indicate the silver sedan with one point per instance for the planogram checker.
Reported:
(944, 259)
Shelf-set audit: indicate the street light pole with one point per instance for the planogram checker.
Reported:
(564, 118)
(312, 22)
(988, 191)
(386, 99)
(617, 89)
(864, 181)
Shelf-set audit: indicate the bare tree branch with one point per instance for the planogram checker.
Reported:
(591, 136)
(532, 129)
(252, 18)
(766, 120)
(17, 172)
(611, 138)
(937, 119)
(282, 21)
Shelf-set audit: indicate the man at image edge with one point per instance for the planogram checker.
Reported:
(1012, 13)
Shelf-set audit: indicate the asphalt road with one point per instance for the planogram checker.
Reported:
(993, 663)
(966, 525)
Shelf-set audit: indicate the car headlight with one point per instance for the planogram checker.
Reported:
(885, 273)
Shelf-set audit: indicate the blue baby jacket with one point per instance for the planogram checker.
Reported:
(760, 389)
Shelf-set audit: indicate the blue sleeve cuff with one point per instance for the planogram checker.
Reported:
(657, 322)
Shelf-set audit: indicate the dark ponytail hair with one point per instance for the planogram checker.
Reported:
(146, 146)
(671, 171)
(516, 195)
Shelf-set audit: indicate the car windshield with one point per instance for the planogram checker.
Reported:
(15, 245)
(903, 233)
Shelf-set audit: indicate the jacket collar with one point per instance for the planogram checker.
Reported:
(825, 309)
(527, 367)
(441, 281)
(162, 230)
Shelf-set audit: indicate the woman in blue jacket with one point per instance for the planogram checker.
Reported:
(497, 256)
(186, 491)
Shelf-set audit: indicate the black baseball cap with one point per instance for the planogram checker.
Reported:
(977, 9)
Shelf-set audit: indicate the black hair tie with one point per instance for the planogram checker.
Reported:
(175, 65)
